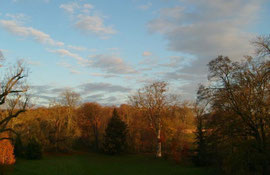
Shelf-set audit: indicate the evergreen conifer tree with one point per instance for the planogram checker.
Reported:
(115, 136)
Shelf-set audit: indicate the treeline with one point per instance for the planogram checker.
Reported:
(61, 128)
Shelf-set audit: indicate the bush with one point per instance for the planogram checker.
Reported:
(6, 150)
(115, 136)
(33, 149)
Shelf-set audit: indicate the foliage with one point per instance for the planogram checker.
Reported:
(6, 150)
(50, 126)
(89, 120)
(115, 136)
(177, 135)
(33, 149)
(140, 138)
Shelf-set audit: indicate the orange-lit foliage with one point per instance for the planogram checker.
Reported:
(49, 125)
(92, 120)
(140, 138)
(6, 151)
(178, 132)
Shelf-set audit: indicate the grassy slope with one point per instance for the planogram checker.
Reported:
(94, 164)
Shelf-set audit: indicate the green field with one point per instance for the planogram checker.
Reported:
(96, 164)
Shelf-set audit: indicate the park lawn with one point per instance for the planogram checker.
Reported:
(98, 164)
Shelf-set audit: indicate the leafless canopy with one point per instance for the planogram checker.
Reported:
(262, 44)
(70, 98)
(13, 96)
(153, 100)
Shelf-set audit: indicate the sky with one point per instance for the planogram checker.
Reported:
(106, 50)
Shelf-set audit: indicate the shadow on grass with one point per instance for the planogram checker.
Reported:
(99, 164)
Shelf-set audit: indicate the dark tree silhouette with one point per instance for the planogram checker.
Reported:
(239, 97)
(201, 154)
(115, 136)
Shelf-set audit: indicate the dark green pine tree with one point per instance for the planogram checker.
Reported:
(115, 136)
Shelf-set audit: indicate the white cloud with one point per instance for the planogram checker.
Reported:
(177, 62)
(64, 52)
(94, 91)
(111, 64)
(70, 7)
(102, 87)
(39, 36)
(93, 24)
(212, 28)
(86, 8)
(106, 75)
(86, 20)
(77, 48)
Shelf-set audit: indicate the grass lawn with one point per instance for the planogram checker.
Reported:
(96, 164)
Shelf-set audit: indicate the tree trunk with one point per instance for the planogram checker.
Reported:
(69, 121)
(158, 153)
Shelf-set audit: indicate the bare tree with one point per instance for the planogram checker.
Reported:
(153, 100)
(262, 44)
(13, 96)
(71, 100)
(242, 90)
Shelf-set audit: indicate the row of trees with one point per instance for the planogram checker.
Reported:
(59, 129)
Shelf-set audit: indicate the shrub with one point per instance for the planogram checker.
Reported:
(6, 151)
(115, 136)
(33, 149)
